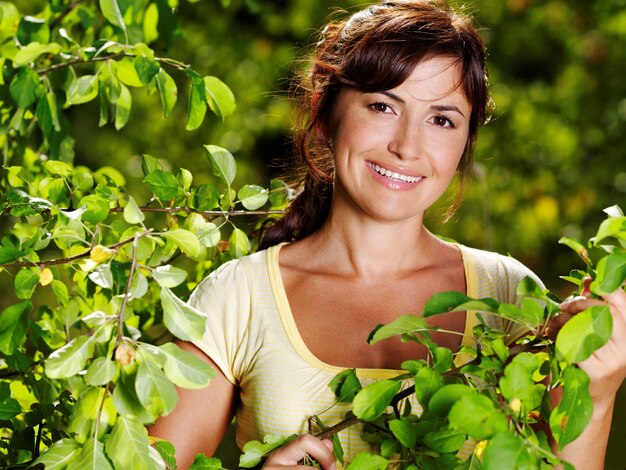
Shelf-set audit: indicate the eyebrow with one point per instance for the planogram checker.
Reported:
(436, 107)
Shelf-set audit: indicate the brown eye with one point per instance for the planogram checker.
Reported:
(380, 107)
(442, 121)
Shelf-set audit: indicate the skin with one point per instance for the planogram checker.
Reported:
(374, 260)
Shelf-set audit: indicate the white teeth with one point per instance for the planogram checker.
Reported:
(393, 175)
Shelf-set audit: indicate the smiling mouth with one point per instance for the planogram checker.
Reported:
(392, 175)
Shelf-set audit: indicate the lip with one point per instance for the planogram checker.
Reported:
(397, 184)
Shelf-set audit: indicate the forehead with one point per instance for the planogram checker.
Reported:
(435, 79)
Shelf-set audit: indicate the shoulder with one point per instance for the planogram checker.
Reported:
(504, 272)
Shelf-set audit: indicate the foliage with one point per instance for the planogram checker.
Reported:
(499, 398)
(97, 272)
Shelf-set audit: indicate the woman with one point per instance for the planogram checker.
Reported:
(392, 106)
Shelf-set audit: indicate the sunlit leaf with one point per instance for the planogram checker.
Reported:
(508, 452)
(405, 431)
(25, 87)
(445, 440)
(154, 390)
(122, 107)
(584, 333)
(169, 276)
(113, 14)
(444, 302)
(427, 382)
(149, 164)
(132, 213)
(91, 457)
(202, 462)
(32, 51)
(254, 451)
(128, 445)
(100, 372)
(610, 273)
(83, 90)
(102, 276)
(222, 162)
(570, 417)
(13, 322)
(167, 91)
(70, 359)
(197, 103)
(365, 461)
(443, 399)
(253, 196)
(372, 400)
(184, 369)
(60, 454)
(183, 321)
(238, 243)
(146, 68)
(219, 97)
(185, 240)
(477, 416)
(163, 184)
(25, 282)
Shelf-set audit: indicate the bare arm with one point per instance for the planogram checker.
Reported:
(607, 370)
(201, 417)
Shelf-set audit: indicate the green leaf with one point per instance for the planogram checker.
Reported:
(442, 359)
(238, 243)
(253, 196)
(8, 254)
(183, 321)
(167, 91)
(70, 359)
(149, 164)
(610, 274)
(400, 326)
(31, 29)
(570, 417)
(184, 369)
(278, 194)
(169, 276)
(254, 451)
(372, 400)
(122, 107)
(222, 162)
(91, 457)
(113, 14)
(83, 90)
(365, 461)
(202, 462)
(508, 452)
(59, 454)
(146, 68)
(128, 445)
(185, 178)
(611, 227)
(166, 451)
(126, 401)
(445, 440)
(208, 234)
(207, 197)
(102, 276)
(443, 399)
(584, 333)
(185, 240)
(97, 208)
(405, 431)
(58, 168)
(154, 390)
(477, 416)
(163, 184)
(48, 115)
(13, 323)
(197, 103)
(25, 282)
(30, 52)
(9, 408)
(25, 87)
(132, 213)
(100, 372)
(219, 97)
(577, 247)
(345, 385)
(427, 382)
(443, 302)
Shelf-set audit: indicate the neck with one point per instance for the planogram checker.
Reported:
(365, 247)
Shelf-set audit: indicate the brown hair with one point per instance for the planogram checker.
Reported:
(373, 50)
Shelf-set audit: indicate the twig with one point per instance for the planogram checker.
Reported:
(133, 264)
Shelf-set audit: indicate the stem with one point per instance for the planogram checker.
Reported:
(38, 441)
(61, 65)
(133, 263)
(346, 423)
(215, 213)
(21, 264)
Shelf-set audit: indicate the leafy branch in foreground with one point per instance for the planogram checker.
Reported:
(497, 396)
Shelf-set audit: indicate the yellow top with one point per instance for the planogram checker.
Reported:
(252, 337)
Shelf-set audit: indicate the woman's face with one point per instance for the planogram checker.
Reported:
(396, 151)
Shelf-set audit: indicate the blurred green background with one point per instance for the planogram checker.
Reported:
(548, 163)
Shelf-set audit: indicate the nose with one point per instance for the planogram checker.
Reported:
(406, 140)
